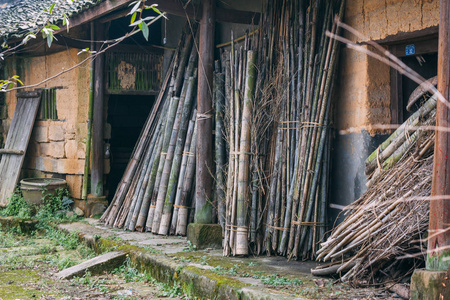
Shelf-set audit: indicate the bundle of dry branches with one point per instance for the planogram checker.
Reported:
(382, 235)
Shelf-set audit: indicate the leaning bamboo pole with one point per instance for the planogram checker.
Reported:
(176, 163)
(244, 157)
(187, 186)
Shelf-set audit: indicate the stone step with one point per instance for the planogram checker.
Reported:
(96, 265)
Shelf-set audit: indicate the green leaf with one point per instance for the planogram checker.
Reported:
(145, 30)
(49, 40)
(135, 8)
(133, 17)
(19, 81)
(51, 7)
(66, 21)
(136, 23)
(52, 26)
(10, 85)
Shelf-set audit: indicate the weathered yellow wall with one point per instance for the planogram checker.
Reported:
(57, 146)
(364, 90)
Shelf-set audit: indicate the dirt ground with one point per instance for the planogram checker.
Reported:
(28, 265)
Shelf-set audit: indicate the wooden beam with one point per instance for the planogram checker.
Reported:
(11, 151)
(114, 9)
(204, 180)
(96, 12)
(98, 122)
(438, 253)
(70, 42)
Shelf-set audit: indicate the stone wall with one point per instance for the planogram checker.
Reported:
(57, 147)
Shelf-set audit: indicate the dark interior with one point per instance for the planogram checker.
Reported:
(127, 115)
(427, 68)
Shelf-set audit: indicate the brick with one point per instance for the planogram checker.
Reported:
(40, 134)
(71, 166)
(71, 148)
(44, 149)
(75, 184)
(60, 166)
(57, 149)
(56, 132)
(81, 152)
(53, 149)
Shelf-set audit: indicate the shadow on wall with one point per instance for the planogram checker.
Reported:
(348, 181)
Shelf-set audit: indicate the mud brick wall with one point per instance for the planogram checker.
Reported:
(362, 94)
(57, 147)
(364, 85)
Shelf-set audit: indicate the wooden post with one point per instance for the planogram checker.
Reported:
(439, 235)
(98, 122)
(204, 180)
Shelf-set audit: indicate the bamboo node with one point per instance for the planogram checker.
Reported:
(181, 206)
(188, 153)
(201, 117)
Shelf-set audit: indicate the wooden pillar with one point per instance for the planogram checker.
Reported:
(204, 180)
(98, 122)
(439, 235)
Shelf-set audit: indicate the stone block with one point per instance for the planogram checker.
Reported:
(430, 285)
(71, 149)
(70, 166)
(56, 132)
(57, 149)
(40, 134)
(81, 152)
(96, 265)
(204, 236)
(96, 205)
(70, 133)
(45, 149)
(52, 149)
(60, 166)
(75, 184)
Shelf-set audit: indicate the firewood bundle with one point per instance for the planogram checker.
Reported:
(383, 233)
(155, 191)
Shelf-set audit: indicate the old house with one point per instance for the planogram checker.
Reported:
(132, 80)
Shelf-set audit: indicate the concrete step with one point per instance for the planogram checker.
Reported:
(96, 265)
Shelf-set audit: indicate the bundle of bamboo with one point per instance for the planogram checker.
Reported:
(278, 144)
(389, 221)
(160, 174)
(298, 186)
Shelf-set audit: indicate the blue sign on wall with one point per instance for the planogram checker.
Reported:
(410, 49)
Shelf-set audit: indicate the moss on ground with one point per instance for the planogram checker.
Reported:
(19, 284)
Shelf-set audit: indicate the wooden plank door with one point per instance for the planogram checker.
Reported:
(18, 137)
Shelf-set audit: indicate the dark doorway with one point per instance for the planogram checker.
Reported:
(127, 115)
(426, 66)
(422, 59)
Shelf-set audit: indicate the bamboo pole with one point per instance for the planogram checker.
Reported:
(184, 162)
(183, 211)
(176, 164)
(244, 157)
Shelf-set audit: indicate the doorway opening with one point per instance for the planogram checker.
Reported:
(126, 115)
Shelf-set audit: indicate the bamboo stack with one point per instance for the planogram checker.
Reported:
(297, 193)
(278, 143)
(160, 174)
(382, 235)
